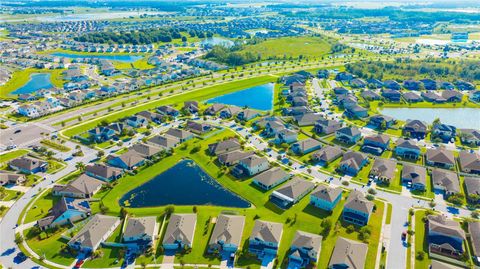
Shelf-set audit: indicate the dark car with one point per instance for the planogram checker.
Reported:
(17, 131)
(21, 257)
(79, 264)
(404, 236)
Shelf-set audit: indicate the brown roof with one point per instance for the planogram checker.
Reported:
(349, 252)
(440, 156)
(440, 224)
(356, 200)
(469, 161)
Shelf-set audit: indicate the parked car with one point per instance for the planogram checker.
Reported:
(17, 131)
(404, 236)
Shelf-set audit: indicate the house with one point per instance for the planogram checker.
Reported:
(180, 232)
(474, 234)
(166, 142)
(265, 238)
(224, 146)
(415, 128)
(445, 237)
(433, 97)
(168, 111)
(443, 131)
(469, 162)
(429, 84)
(475, 96)
(352, 162)
(152, 116)
(357, 83)
(82, 187)
(343, 76)
(101, 134)
(229, 111)
(7, 178)
(140, 232)
(305, 146)
(374, 83)
(233, 157)
(411, 85)
(197, 127)
(464, 85)
(227, 234)
(348, 254)
(145, 150)
(272, 128)
(248, 114)
(271, 178)
(407, 149)
(181, 135)
(391, 95)
(327, 155)
(472, 187)
(103, 172)
(95, 232)
(326, 197)
(296, 110)
(129, 160)
(452, 96)
(292, 192)
(286, 136)
(445, 85)
(414, 175)
(136, 121)
(28, 165)
(357, 209)
(304, 250)
(370, 95)
(326, 126)
(411, 97)
(383, 170)
(348, 135)
(66, 210)
(381, 121)
(392, 84)
(445, 181)
(250, 166)
(213, 109)
(470, 136)
(356, 111)
(375, 144)
(440, 157)
(28, 110)
(307, 119)
(191, 107)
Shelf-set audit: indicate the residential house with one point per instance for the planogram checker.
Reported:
(464, 85)
(82, 187)
(376, 144)
(7, 178)
(233, 157)
(392, 84)
(168, 111)
(136, 121)
(452, 96)
(415, 175)
(443, 131)
(472, 187)
(307, 119)
(348, 254)
(445, 237)
(348, 135)
(250, 166)
(374, 83)
(265, 238)
(326, 126)
(227, 235)
(292, 192)
(224, 146)
(305, 146)
(213, 109)
(445, 181)
(356, 111)
(140, 233)
(180, 232)
(28, 165)
(273, 127)
(357, 209)
(103, 172)
(412, 85)
(191, 107)
(429, 84)
(198, 127)
(357, 83)
(229, 111)
(326, 197)
(433, 97)
(407, 149)
(181, 135)
(271, 178)
(64, 211)
(327, 155)
(469, 162)
(95, 232)
(129, 160)
(352, 162)
(304, 250)
(474, 234)
(411, 97)
(101, 134)
(370, 95)
(415, 128)
(145, 150)
(166, 142)
(383, 170)
(470, 136)
(248, 114)
(391, 95)
(440, 157)
(381, 121)
(286, 136)
(343, 76)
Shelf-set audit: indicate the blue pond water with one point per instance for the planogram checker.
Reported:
(119, 58)
(183, 184)
(462, 117)
(258, 97)
(37, 81)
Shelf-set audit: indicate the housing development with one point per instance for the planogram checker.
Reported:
(234, 134)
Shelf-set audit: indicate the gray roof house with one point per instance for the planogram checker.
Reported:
(307, 119)
(224, 146)
(271, 178)
(180, 134)
(180, 231)
(306, 146)
(197, 127)
(384, 169)
(445, 180)
(441, 265)
(469, 162)
(327, 154)
(143, 228)
(290, 193)
(233, 157)
(103, 172)
(28, 165)
(11, 178)
(82, 187)
(474, 234)
(145, 150)
(164, 141)
(472, 185)
(305, 247)
(416, 175)
(265, 231)
(348, 254)
(96, 231)
(227, 234)
(440, 157)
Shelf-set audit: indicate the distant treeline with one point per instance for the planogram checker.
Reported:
(231, 56)
(120, 5)
(140, 37)
(402, 69)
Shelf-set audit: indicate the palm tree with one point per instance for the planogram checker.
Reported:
(80, 166)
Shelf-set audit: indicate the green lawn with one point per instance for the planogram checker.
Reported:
(421, 240)
(40, 207)
(55, 145)
(12, 155)
(8, 195)
(50, 248)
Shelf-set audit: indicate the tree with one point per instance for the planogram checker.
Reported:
(169, 210)
(100, 154)
(80, 166)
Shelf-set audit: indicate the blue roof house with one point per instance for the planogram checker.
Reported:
(101, 134)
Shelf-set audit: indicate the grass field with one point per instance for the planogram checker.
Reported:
(288, 47)
(12, 155)
(21, 77)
